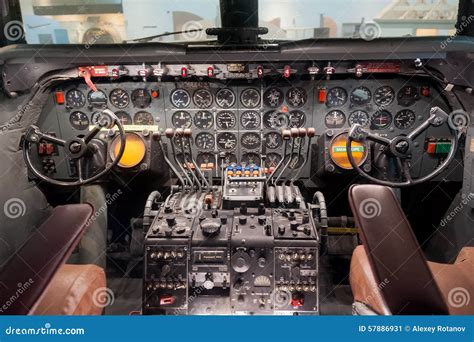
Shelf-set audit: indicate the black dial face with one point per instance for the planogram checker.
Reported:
(381, 119)
(359, 117)
(181, 119)
(272, 160)
(273, 97)
(296, 97)
(203, 119)
(225, 120)
(250, 119)
(225, 98)
(75, 98)
(250, 140)
(360, 96)
(119, 98)
(182, 143)
(336, 97)
(205, 141)
(141, 98)
(143, 118)
(124, 117)
(98, 119)
(250, 98)
(180, 98)
(202, 98)
(79, 120)
(226, 141)
(273, 140)
(251, 158)
(97, 99)
(335, 119)
(230, 158)
(296, 119)
(404, 119)
(274, 119)
(383, 96)
(407, 96)
(205, 158)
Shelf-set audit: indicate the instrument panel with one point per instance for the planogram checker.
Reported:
(241, 121)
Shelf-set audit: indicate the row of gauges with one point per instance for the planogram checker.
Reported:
(228, 141)
(381, 119)
(80, 120)
(118, 97)
(249, 98)
(272, 159)
(249, 119)
(383, 96)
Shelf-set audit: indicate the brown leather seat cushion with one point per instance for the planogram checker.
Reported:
(74, 290)
(455, 281)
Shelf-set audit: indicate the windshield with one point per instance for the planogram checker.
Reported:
(116, 21)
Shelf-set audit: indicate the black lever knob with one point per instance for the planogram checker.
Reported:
(171, 220)
(242, 220)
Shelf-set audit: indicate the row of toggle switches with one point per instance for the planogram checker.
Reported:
(166, 255)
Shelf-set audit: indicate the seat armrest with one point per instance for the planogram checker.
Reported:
(27, 273)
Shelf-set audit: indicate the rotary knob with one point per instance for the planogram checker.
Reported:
(242, 220)
(240, 261)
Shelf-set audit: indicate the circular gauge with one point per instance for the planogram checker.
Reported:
(250, 158)
(205, 158)
(119, 98)
(133, 153)
(273, 97)
(296, 161)
(143, 118)
(296, 119)
(359, 117)
(124, 117)
(361, 96)
(404, 119)
(180, 98)
(202, 98)
(335, 119)
(205, 141)
(338, 152)
(383, 96)
(336, 97)
(181, 143)
(273, 119)
(226, 141)
(273, 140)
(141, 98)
(225, 120)
(250, 98)
(181, 119)
(75, 98)
(225, 98)
(230, 158)
(250, 140)
(407, 96)
(203, 119)
(381, 119)
(272, 159)
(97, 99)
(79, 120)
(97, 117)
(296, 97)
(250, 119)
